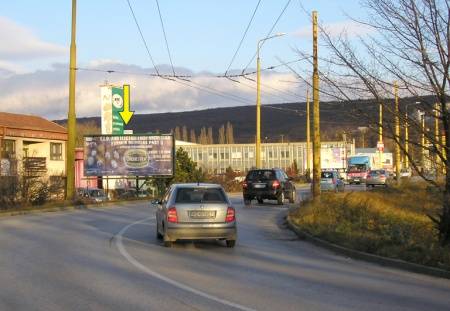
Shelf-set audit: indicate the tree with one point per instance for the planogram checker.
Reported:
(221, 137)
(193, 136)
(203, 139)
(85, 128)
(229, 134)
(185, 133)
(177, 133)
(185, 171)
(407, 42)
(210, 136)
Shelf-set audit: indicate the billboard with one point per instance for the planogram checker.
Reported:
(112, 104)
(129, 155)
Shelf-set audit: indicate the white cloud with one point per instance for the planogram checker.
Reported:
(20, 43)
(45, 92)
(348, 27)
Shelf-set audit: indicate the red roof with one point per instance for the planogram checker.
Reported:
(29, 122)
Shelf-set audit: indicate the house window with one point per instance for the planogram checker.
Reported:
(8, 148)
(56, 151)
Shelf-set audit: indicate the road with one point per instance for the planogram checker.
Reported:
(110, 259)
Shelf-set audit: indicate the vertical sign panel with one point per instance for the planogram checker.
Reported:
(117, 106)
(106, 102)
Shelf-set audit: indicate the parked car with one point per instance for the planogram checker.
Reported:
(124, 194)
(405, 172)
(331, 181)
(271, 184)
(92, 195)
(195, 211)
(378, 178)
(143, 193)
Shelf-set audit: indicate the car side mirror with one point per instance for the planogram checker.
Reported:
(157, 202)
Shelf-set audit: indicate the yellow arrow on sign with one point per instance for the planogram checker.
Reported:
(126, 114)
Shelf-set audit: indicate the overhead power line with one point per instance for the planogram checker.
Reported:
(142, 37)
(270, 32)
(243, 37)
(165, 37)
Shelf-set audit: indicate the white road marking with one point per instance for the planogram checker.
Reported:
(137, 264)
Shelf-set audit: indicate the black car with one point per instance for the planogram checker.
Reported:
(272, 184)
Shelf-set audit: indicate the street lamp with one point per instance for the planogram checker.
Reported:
(258, 99)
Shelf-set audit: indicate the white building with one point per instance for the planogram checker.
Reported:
(31, 145)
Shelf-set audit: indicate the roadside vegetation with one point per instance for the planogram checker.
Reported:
(393, 222)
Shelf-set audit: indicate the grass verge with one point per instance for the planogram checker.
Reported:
(391, 223)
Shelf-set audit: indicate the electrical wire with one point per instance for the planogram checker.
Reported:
(165, 37)
(142, 36)
(269, 33)
(243, 37)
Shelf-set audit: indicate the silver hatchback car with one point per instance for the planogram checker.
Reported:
(193, 212)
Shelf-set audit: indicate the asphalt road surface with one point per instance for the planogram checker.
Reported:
(110, 259)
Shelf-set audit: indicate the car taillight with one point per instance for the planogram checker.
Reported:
(275, 184)
(172, 215)
(231, 215)
(382, 176)
(244, 185)
(368, 176)
(334, 181)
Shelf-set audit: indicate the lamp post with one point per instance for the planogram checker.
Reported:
(258, 99)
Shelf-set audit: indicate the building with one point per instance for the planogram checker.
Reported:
(32, 146)
(216, 158)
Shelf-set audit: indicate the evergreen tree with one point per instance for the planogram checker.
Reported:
(193, 136)
(222, 135)
(177, 133)
(185, 133)
(229, 134)
(210, 136)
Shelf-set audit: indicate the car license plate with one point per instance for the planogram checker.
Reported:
(202, 214)
(356, 179)
(259, 186)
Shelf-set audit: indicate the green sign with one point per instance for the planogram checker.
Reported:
(117, 106)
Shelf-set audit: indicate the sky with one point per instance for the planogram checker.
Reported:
(202, 35)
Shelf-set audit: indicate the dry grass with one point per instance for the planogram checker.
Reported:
(392, 223)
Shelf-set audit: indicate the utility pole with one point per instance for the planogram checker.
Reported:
(71, 117)
(397, 134)
(422, 141)
(406, 139)
(308, 136)
(316, 113)
(258, 110)
(436, 138)
(380, 145)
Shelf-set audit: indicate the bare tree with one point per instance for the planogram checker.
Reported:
(408, 41)
(177, 133)
(203, 138)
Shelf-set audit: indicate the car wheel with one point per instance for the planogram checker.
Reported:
(247, 201)
(260, 201)
(293, 196)
(159, 236)
(231, 243)
(280, 198)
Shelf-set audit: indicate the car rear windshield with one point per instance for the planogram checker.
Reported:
(200, 195)
(375, 173)
(261, 175)
(327, 175)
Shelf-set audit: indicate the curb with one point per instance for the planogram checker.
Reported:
(63, 208)
(384, 261)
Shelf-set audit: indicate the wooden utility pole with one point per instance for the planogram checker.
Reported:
(308, 136)
(316, 113)
(71, 117)
(397, 134)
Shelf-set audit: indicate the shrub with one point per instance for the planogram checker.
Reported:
(393, 223)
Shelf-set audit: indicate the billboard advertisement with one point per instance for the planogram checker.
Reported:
(129, 155)
(112, 104)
